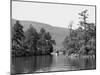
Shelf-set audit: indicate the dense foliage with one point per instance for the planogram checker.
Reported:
(81, 41)
(30, 42)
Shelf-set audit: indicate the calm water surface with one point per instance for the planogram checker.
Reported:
(47, 63)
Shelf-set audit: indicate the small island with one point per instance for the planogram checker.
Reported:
(30, 42)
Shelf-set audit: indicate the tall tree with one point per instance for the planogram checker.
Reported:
(17, 35)
(31, 39)
(83, 17)
(70, 28)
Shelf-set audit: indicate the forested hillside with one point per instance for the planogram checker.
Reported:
(57, 33)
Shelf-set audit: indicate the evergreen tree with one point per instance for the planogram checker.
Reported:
(31, 39)
(17, 38)
(18, 33)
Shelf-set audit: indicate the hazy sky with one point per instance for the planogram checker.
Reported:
(53, 14)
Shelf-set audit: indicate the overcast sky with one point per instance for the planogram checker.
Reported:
(54, 14)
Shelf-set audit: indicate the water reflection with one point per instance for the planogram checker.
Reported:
(31, 64)
(81, 63)
(50, 63)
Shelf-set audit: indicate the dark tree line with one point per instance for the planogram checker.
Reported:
(83, 39)
(30, 42)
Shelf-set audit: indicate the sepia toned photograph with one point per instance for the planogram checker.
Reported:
(52, 37)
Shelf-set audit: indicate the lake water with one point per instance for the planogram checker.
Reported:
(48, 63)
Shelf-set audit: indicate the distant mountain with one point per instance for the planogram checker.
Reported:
(58, 33)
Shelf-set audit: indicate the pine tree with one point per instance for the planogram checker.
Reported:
(17, 35)
(31, 39)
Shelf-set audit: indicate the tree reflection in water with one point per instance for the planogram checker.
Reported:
(30, 64)
(81, 63)
(47, 63)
